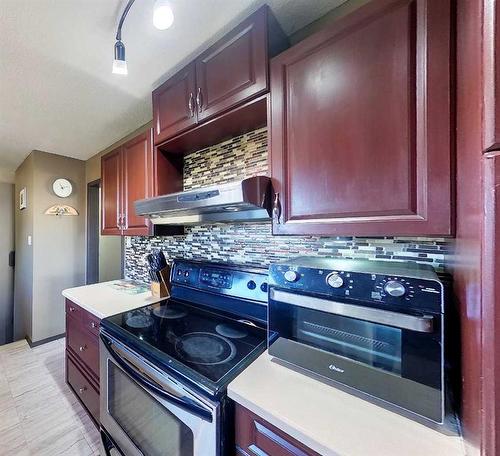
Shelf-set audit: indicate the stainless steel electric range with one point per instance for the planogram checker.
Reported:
(165, 367)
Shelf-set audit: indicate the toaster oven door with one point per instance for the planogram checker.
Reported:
(393, 356)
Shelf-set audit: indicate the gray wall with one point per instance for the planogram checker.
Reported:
(6, 272)
(23, 283)
(58, 251)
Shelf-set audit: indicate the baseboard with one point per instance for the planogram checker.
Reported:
(44, 341)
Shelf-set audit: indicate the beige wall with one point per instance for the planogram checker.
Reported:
(58, 251)
(7, 176)
(336, 13)
(110, 247)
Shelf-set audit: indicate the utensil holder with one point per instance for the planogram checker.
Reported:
(161, 289)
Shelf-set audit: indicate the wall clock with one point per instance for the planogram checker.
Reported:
(62, 188)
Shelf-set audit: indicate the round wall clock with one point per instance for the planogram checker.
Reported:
(62, 188)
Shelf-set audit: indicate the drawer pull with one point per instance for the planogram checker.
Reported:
(83, 348)
(82, 389)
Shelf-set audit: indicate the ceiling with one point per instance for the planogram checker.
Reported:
(57, 92)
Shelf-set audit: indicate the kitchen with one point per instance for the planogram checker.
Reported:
(274, 236)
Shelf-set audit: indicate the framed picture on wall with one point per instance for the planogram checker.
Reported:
(23, 202)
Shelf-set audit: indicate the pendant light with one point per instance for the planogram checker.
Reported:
(163, 16)
(119, 62)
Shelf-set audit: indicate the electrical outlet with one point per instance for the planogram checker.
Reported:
(30, 240)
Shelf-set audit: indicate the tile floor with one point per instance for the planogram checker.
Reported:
(39, 414)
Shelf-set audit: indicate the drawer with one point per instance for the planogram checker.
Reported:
(73, 310)
(92, 323)
(84, 344)
(83, 388)
(255, 436)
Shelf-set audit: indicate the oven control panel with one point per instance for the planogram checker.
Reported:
(367, 281)
(239, 282)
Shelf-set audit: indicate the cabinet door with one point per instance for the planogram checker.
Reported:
(491, 68)
(111, 192)
(233, 69)
(256, 436)
(137, 182)
(174, 107)
(360, 125)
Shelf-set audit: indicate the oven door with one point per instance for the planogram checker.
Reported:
(146, 412)
(393, 356)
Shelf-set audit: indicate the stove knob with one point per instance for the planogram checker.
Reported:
(395, 288)
(334, 280)
(251, 285)
(291, 276)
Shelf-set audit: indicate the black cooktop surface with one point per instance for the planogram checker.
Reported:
(207, 348)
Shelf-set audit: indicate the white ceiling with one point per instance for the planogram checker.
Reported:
(57, 92)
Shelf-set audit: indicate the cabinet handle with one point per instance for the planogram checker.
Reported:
(93, 325)
(277, 208)
(199, 100)
(82, 389)
(83, 348)
(72, 309)
(191, 104)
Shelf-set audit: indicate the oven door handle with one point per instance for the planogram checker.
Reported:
(424, 323)
(182, 402)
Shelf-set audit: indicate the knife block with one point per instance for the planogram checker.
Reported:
(162, 289)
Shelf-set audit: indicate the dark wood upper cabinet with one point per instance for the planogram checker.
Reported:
(360, 125)
(111, 192)
(137, 182)
(227, 75)
(174, 105)
(127, 176)
(491, 68)
(234, 69)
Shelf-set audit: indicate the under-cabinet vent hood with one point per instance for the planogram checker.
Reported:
(248, 200)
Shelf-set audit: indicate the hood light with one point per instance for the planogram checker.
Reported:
(163, 16)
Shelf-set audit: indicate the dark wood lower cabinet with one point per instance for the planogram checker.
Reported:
(255, 436)
(85, 389)
(82, 357)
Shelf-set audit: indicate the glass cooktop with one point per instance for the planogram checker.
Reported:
(206, 347)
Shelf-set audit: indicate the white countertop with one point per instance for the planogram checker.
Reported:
(330, 421)
(102, 300)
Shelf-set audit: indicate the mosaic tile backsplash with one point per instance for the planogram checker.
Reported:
(245, 156)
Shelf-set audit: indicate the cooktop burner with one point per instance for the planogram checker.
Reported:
(205, 348)
(231, 331)
(139, 321)
(169, 312)
(199, 343)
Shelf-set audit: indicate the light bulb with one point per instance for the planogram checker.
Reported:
(120, 67)
(163, 16)
(119, 63)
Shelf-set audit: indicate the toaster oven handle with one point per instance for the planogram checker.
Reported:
(182, 402)
(424, 323)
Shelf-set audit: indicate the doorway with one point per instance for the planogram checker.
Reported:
(93, 191)
(104, 253)
(6, 263)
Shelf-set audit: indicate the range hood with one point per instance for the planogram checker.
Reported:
(247, 200)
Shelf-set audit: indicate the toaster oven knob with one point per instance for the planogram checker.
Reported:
(395, 288)
(291, 276)
(334, 280)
